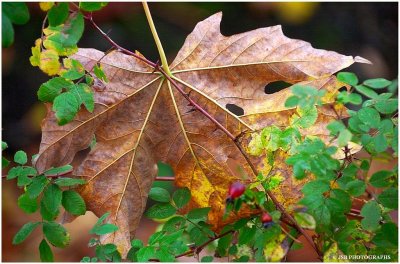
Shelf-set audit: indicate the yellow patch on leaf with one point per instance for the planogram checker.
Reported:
(49, 62)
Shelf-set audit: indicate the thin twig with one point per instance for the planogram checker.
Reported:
(198, 249)
(166, 178)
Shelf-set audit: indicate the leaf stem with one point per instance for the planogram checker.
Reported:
(156, 39)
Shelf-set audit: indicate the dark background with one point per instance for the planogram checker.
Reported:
(368, 29)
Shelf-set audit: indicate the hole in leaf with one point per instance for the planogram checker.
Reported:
(237, 110)
(274, 87)
(343, 89)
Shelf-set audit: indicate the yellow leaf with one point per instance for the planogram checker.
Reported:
(273, 250)
(46, 6)
(35, 58)
(49, 62)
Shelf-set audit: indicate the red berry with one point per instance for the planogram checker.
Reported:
(266, 217)
(236, 189)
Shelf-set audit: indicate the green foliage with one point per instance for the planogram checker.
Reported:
(92, 6)
(58, 14)
(181, 197)
(27, 204)
(101, 228)
(24, 232)
(12, 13)
(159, 194)
(372, 215)
(46, 255)
(56, 234)
(348, 77)
(73, 202)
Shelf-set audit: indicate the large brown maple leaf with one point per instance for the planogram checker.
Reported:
(140, 119)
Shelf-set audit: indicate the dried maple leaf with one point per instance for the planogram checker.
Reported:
(140, 118)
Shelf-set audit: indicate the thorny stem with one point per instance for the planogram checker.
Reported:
(198, 249)
(199, 108)
(118, 47)
(156, 39)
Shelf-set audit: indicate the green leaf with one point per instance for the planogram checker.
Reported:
(305, 220)
(292, 101)
(335, 127)
(372, 215)
(58, 170)
(387, 236)
(73, 29)
(56, 234)
(181, 197)
(318, 186)
(92, 6)
(66, 182)
(73, 202)
(24, 232)
(65, 106)
(84, 95)
(98, 71)
(198, 236)
(389, 198)
(246, 234)
(305, 117)
(344, 137)
(7, 33)
(36, 187)
(49, 90)
(159, 194)
(20, 157)
(343, 197)
(380, 143)
(207, 259)
(46, 255)
(354, 98)
(199, 213)
(348, 77)
(380, 178)
(103, 229)
(386, 106)
(223, 244)
(160, 211)
(23, 179)
(322, 215)
(22, 173)
(52, 198)
(145, 253)
(136, 245)
(355, 188)
(377, 83)
(102, 218)
(369, 116)
(163, 255)
(366, 91)
(58, 14)
(27, 204)
(17, 12)
(174, 224)
(46, 214)
(155, 238)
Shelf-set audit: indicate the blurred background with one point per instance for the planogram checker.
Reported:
(368, 29)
